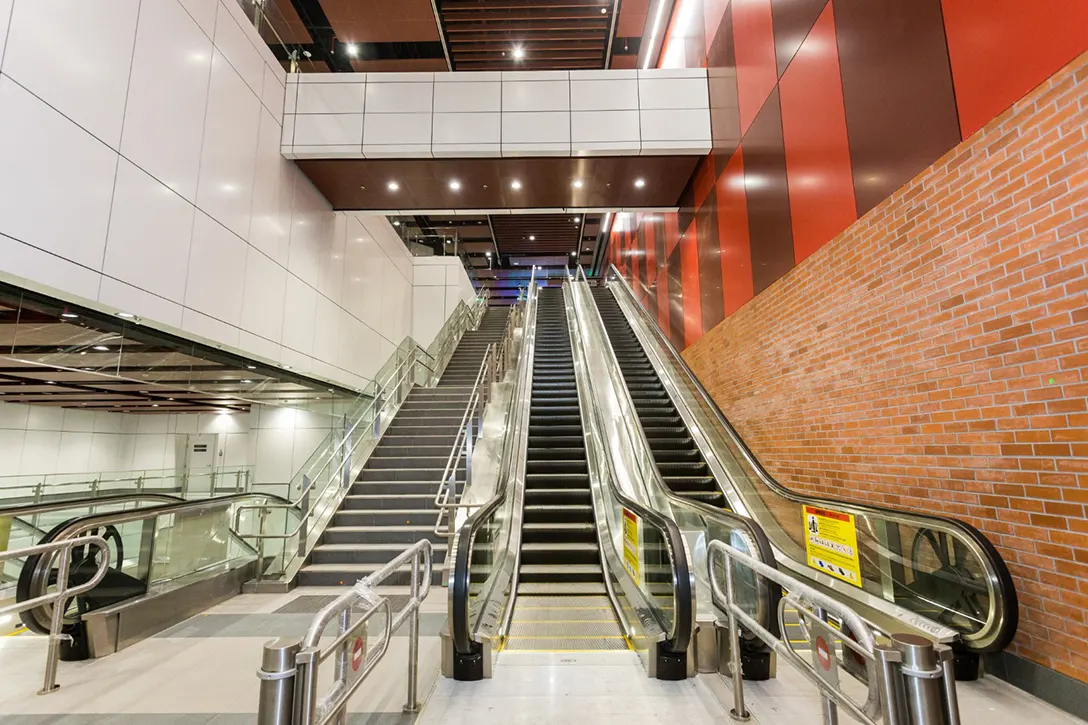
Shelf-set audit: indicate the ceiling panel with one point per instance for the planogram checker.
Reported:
(545, 183)
(527, 34)
(382, 21)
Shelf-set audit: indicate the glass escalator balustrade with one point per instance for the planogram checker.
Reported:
(941, 569)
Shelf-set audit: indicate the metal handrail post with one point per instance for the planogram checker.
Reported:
(739, 712)
(412, 704)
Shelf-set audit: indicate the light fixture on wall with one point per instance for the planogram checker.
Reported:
(577, 184)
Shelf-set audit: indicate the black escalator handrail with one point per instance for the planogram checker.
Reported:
(460, 574)
(679, 638)
(999, 571)
(769, 595)
(38, 579)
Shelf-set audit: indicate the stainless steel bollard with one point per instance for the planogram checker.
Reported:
(922, 673)
(277, 674)
(413, 705)
(739, 711)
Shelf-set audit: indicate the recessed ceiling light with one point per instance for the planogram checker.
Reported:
(574, 254)
(455, 185)
(577, 184)
(251, 367)
(126, 315)
(489, 254)
(604, 11)
(50, 382)
(577, 219)
(515, 184)
(69, 316)
(392, 186)
(532, 237)
(101, 348)
(246, 382)
(352, 49)
(639, 183)
(154, 405)
(169, 398)
(519, 52)
(396, 224)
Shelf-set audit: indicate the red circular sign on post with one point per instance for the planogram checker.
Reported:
(823, 653)
(357, 655)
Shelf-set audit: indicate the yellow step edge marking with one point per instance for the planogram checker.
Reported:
(584, 636)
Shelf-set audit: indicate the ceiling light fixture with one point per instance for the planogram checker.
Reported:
(127, 315)
(515, 185)
(396, 224)
(69, 315)
(392, 186)
(532, 237)
(604, 11)
(247, 382)
(101, 348)
(154, 405)
(351, 49)
(455, 185)
(489, 254)
(577, 219)
(639, 183)
(577, 184)
(251, 367)
(519, 52)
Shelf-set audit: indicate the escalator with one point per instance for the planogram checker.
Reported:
(562, 557)
(168, 559)
(682, 466)
(929, 574)
(561, 598)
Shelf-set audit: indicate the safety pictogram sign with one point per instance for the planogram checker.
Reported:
(357, 652)
(831, 544)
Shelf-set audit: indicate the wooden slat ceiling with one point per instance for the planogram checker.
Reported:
(552, 34)
(54, 355)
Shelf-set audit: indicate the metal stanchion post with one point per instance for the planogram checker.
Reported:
(739, 711)
(412, 705)
(948, 682)
(891, 685)
(305, 707)
(827, 706)
(921, 673)
(276, 701)
(52, 655)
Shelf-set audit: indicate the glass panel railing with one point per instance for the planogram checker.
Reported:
(484, 550)
(153, 549)
(43, 488)
(285, 534)
(908, 564)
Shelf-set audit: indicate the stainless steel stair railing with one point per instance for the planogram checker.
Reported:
(62, 592)
(291, 669)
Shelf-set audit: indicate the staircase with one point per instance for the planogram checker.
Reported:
(561, 600)
(391, 504)
(679, 461)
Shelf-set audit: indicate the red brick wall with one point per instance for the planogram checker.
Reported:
(934, 356)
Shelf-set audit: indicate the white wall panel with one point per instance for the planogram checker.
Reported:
(75, 56)
(329, 129)
(273, 195)
(217, 261)
(262, 303)
(299, 314)
(56, 180)
(126, 298)
(167, 96)
(272, 93)
(239, 51)
(28, 262)
(330, 98)
(5, 16)
(229, 155)
(520, 113)
(203, 12)
(149, 234)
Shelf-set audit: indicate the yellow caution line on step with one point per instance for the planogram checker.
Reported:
(20, 630)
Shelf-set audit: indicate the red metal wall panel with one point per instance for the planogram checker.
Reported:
(689, 275)
(753, 39)
(1001, 49)
(821, 186)
(736, 254)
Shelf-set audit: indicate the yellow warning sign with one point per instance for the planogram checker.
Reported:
(831, 543)
(630, 543)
